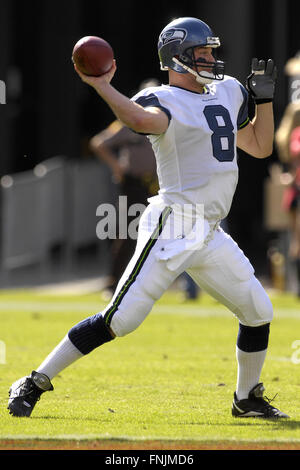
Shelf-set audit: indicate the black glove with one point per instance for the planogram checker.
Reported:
(261, 82)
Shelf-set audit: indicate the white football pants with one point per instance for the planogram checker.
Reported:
(219, 267)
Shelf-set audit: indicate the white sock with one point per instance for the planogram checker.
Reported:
(61, 357)
(249, 369)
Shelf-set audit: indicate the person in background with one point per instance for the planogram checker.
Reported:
(287, 139)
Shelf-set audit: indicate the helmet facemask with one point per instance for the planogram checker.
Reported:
(215, 69)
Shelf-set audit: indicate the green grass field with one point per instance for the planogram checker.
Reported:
(171, 381)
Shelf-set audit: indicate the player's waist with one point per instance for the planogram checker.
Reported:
(184, 215)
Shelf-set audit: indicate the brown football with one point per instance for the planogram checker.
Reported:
(93, 55)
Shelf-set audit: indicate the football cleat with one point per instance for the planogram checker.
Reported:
(255, 405)
(25, 392)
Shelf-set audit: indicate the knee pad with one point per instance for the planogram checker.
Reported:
(131, 313)
(262, 304)
(89, 334)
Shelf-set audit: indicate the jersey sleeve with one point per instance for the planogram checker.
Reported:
(243, 118)
(153, 101)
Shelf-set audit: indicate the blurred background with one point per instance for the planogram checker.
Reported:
(51, 184)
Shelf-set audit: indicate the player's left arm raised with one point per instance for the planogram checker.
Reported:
(257, 137)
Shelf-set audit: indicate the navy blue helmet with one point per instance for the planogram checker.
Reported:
(176, 45)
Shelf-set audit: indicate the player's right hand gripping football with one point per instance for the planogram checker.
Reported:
(261, 82)
(97, 81)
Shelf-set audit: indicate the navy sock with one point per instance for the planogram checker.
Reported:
(89, 334)
(253, 339)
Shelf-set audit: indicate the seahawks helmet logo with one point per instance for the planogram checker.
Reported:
(172, 34)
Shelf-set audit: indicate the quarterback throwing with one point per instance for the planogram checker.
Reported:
(195, 124)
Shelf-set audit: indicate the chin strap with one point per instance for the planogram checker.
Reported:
(199, 78)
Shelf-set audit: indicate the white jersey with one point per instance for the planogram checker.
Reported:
(196, 157)
(196, 161)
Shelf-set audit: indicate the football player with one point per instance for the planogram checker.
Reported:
(195, 124)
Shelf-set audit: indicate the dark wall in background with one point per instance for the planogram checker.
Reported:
(49, 111)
